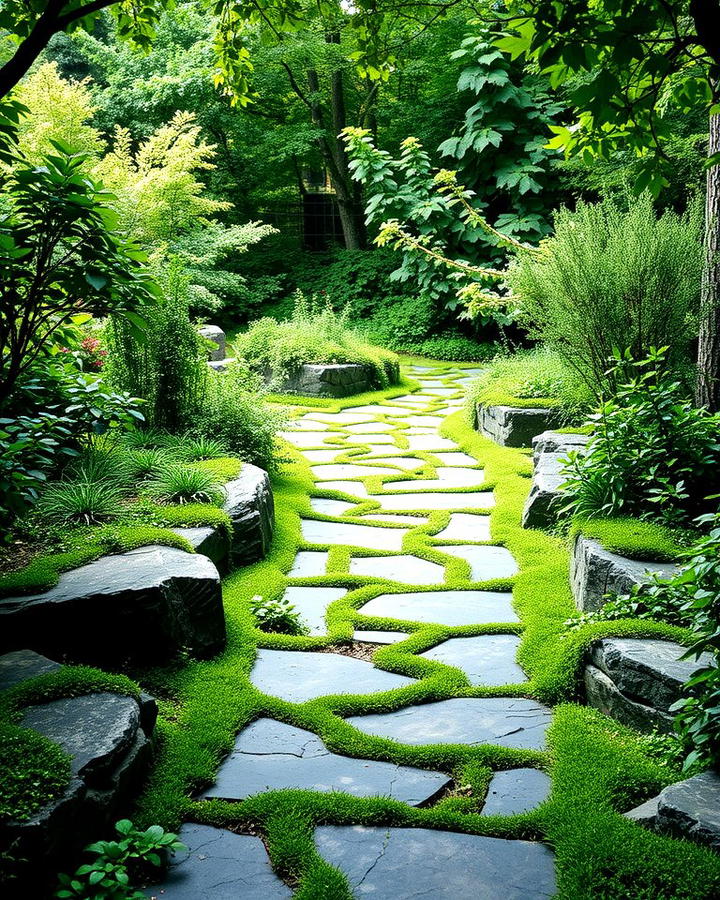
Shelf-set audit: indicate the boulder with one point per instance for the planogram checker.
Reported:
(144, 605)
(603, 694)
(331, 380)
(688, 809)
(595, 572)
(21, 665)
(249, 503)
(210, 541)
(216, 335)
(219, 365)
(513, 426)
(557, 442)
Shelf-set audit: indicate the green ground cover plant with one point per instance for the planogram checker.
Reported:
(636, 538)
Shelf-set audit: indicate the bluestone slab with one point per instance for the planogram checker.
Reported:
(488, 659)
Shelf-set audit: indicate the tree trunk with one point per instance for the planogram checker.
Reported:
(707, 391)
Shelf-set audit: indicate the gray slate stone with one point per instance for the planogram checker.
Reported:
(488, 659)
(216, 335)
(379, 637)
(602, 693)
(413, 863)
(688, 809)
(516, 791)
(220, 865)
(503, 721)
(444, 607)
(595, 572)
(212, 542)
(486, 563)
(545, 497)
(297, 677)
(555, 442)
(20, 665)
(312, 603)
(146, 605)
(512, 426)
(331, 380)
(270, 755)
(249, 503)
(649, 671)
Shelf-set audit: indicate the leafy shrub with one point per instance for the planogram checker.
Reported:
(83, 501)
(117, 863)
(278, 616)
(185, 484)
(652, 455)
(235, 414)
(455, 348)
(314, 334)
(35, 772)
(612, 278)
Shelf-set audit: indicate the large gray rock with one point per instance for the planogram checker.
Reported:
(602, 693)
(550, 450)
(216, 336)
(513, 426)
(557, 442)
(21, 665)
(211, 541)
(595, 572)
(689, 809)
(250, 505)
(414, 863)
(144, 605)
(332, 380)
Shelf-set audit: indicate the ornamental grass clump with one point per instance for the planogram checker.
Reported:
(182, 484)
(83, 501)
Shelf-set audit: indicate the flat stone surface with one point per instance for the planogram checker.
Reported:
(296, 676)
(502, 721)
(309, 564)
(446, 477)
(354, 488)
(424, 421)
(486, 563)
(377, 409)
(333, 471)
(402, 462)
(306, 439)
(312, 603)
(444, 607)
(412, 399)
(514, 426)
(404, 568)
(220, 865)
(416, 429)
(456, 500)
(430, 442)
(322, 456)
(413, 863)
(95, 729)
(340, 418)
(441, 391)
(380, 637)
(487, 659)
(466, 527)
(373, 537)
(516, 791)
(369, 427)
(456, 458)
(602, 693)
(328, 507)
(371, 440)
(306, 425)
(691, 808)
(20, 665)
(396, 518)
(271, 755)
(249, 503)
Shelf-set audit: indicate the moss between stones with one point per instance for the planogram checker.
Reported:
(599, 768)
(646, 541)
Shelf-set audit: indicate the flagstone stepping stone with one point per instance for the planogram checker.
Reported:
(402, 462)
(504, 721)
(322, 456)
(516, 791)
(312, 603)
(370, 427)
(466, 527)
(349, 470)
(428, 421)
(380, 637)
(354, 488)
(378, 410)
(396, 518)
(221, 865)
(444, 607)
(309, 564)
(430, 442)
(305, 439)
(447, 477)
(370, 439)
(415, 431)
(307, 425)
(431, 382)
(457, 500)
(329, 507)
(454, 458)
(412, 399)
(372, 537)
(485, 562)
(488, 659)
(297, 676)
(421, 368)
(410, 863)
(405, 568)
(341, 418)
(441, 391)
(272, 756)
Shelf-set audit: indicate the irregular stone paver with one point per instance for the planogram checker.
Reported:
(306, 439)
(404, 568)
(412, 399)
(370, 440)
(503, 721)
(380, 637)
(354, 488)
(396, 518)
(488, 659)
(447, 477)
(20, 665)
(444, 607)
(322, 456)
(516, 791)
(456, 458)
(441, 391)
(329, 507)
(312, 603)
(309, 564)
(486, 563)
(297, 676)
(372, 537)
(221, 865)
(378, 410)
(430, 442)
(423, 421)
(333, 471)
(306, 425)
(369, 428)
(456, 500)
(413, 863)
(417, 430)
(341, 418)
(270, 756)
(402, 462)
(466, 527)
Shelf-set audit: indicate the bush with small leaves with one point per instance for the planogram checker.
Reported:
(278, 616)
(186, 484)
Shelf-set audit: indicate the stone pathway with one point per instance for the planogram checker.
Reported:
(395, 474)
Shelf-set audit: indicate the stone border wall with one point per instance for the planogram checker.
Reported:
(514, 426)
(549, 450)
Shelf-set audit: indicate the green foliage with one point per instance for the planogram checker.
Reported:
(314, 334)
(185, 484)
(35, 771)
(653, 454)
(277, 615)
(145, 462)
(117, 863)
(193, 448)
(612, 278)
(83, 501)
(456, 347)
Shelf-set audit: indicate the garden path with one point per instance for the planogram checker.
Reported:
(465, 583)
